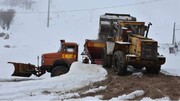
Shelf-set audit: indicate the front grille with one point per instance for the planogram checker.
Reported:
(149, 50)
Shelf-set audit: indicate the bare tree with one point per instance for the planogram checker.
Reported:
(6, 18)
(27, 4)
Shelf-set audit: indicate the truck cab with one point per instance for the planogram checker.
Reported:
(65, 56)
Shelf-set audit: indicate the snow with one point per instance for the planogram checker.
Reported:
(159, 99)
(30, 37)
(117, 17)
(80, 75)
(95, 90)
(105, 23)
(96, 98)
(130, 96)
(138, 74)
(171, 66)
(123, 42)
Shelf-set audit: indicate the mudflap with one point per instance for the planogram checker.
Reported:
(23, 70)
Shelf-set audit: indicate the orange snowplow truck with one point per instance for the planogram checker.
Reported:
(57, 63)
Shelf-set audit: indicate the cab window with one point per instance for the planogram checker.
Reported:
(69, 49)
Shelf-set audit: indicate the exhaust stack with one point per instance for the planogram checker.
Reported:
(150, 24)
(62, 41)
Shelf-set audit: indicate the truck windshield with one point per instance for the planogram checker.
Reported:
(135, 29)
(69, 49)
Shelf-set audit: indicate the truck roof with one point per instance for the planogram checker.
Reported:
(131, 22)
(112, 16)
(70, 43)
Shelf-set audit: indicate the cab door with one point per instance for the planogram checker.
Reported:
(69, 53)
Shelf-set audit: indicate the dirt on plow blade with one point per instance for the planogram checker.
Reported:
(22, 69)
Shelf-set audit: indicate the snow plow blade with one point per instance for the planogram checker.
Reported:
(23, 70)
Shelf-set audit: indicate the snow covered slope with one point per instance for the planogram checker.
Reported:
(77, 21)
(80, 75)
(74, 21)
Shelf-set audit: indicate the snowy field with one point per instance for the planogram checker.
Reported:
(63, 87)
(79, 76)
(172, 65)
(30, 37)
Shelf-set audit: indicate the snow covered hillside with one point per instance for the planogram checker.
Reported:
(29, 37)
(79, 76)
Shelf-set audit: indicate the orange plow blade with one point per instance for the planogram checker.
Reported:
(23, 70)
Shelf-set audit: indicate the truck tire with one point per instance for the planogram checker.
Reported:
(119, 66)
(106, 59)
(59, 70)
(61, 63)
(153, 70)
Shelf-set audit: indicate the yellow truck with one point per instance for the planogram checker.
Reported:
(124, 41)
(127, 43)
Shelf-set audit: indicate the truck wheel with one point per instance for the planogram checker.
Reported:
(153, 70)
(119, 63)
(59, 70)
(157, 69)
(106, 59)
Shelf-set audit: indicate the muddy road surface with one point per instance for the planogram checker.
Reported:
(154, 86)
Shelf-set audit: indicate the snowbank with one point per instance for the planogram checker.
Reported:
(80, 75)
(125, 97)
(130, 96)
(171, 66)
